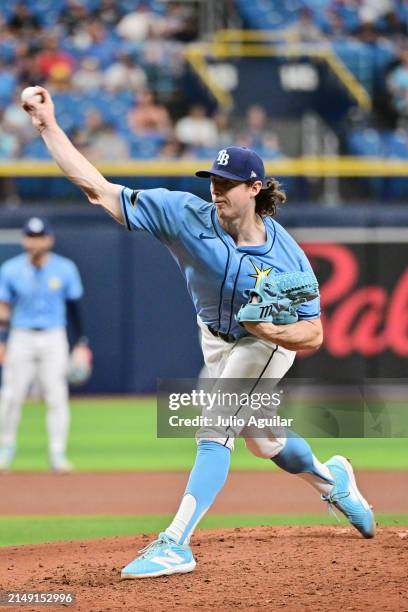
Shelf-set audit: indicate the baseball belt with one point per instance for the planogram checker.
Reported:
(218, 334)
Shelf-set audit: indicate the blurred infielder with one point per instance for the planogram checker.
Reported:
(224, 248)
(36, 289)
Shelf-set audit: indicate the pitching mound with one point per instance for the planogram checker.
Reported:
(263, 568)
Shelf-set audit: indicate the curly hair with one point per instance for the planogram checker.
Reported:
(269, 198)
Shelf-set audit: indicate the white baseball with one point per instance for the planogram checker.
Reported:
(30, 94)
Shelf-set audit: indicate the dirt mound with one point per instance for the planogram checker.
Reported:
(263, 568)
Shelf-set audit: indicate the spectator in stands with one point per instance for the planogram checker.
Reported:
(98, 139)
(88, 77)
(305, 29)
(397, 83)
(181, 22)
(333, 25)
(93, 124)
(256, 128)
(270, 148)
(196, 128)
(255, 133)
(368, 33)
(8, 41)
(73, 14)
(137, 26)
(10, 149)
(148, 117)
(348, 11)
(224, 130)
(22, 22)
(95, 40)
(9, 143)
(15, 121)
(53, 64)
(108, 144)
(25, 65)
(163, 61)
(171, 149)
(124, 74)
(256, 124)
(371, 11)
(108, 12)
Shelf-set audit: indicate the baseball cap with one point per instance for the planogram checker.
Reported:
(237, 164)
(37, 226)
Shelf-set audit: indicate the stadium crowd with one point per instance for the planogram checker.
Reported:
(116, 73)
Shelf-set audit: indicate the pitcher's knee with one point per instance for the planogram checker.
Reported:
(208, 434)
(265, 448)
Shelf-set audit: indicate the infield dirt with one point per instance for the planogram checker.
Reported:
(30, 493)
(263, 568)
(314, 569)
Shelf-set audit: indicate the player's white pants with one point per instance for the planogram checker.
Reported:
(251, 358)
(41, 355)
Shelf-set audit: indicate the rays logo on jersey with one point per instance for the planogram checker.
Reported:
(223, 158)
(54, 282)
(260, 273)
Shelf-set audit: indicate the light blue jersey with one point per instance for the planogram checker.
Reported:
(216, 270)
(37, 295)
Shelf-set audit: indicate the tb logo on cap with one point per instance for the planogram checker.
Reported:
(223, 158)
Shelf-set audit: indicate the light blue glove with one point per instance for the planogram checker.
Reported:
(278, 298)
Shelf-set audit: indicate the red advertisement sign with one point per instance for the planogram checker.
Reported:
(364, 298)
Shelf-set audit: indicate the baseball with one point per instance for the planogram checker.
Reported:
(30, 93)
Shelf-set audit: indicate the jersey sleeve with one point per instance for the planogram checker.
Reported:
(6, 290)
(156, 211)
(308, 310)
(73, 285)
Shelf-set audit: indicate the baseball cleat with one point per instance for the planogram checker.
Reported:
(60, 464)
(161, 558)
(6, 457)
(346, 497)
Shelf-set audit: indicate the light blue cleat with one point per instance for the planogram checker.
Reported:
(346, 497)
(160, 558)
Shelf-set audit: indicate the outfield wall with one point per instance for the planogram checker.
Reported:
(141, 322)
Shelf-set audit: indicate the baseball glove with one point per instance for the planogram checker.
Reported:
(277, 298)
(80, 365)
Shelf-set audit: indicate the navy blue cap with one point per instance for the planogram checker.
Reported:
(37, 226)
(237, 164)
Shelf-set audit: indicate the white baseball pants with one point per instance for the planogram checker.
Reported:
(41, 355)
(250, 358)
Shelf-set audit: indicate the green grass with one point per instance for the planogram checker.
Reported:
(120, 434)
(30, 530)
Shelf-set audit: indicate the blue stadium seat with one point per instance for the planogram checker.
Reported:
(395, 144)
(366, 61)
(8, 83)
(145, 146)
(366, 142)
(36, 149)
(373, 143)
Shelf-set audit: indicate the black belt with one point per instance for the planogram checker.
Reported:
(37, 329)
(218, 334)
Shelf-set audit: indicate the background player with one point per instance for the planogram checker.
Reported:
(222, 248)
(35, 289)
